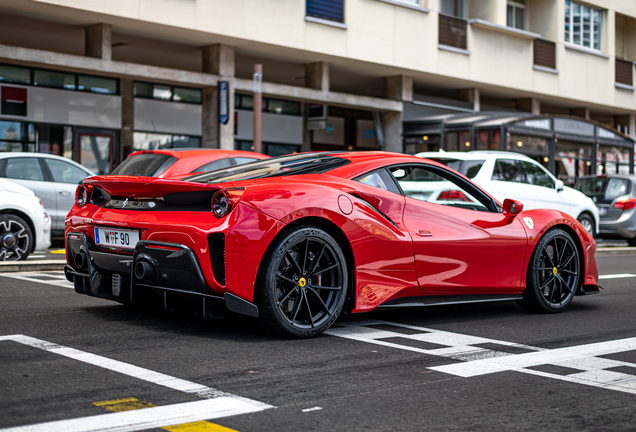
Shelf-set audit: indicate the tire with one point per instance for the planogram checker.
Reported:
(553, 273)
(290, 302)
(588, 223)
(16, 238)
(631, 241)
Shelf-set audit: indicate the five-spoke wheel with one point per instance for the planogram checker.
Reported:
(302, 285)
(553, 273)
(15, 238)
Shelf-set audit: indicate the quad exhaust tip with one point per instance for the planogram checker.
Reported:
(80, 260)
(145, 271)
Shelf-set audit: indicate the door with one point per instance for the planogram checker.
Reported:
(66, 176)
(28, 172)
(97, 149)
(462, 244)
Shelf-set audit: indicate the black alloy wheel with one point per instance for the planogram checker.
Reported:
(16, 238)
(553, 273)
(302, 284)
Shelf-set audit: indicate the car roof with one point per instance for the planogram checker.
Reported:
(7, 155)
(183, 153)
(473, 155)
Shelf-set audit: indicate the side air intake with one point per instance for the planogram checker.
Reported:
(216, 244)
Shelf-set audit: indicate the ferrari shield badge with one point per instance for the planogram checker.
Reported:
(529, 222)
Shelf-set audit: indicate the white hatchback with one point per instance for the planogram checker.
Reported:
(516, 176)
(24, 225)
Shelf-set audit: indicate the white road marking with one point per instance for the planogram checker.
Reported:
(37, 256)
(584, 361)
(147, 418)
(617, 276)
(312, 409)
(60, 279)
(218, 403)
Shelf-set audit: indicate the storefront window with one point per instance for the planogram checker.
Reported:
(17, 137)
(489, 139)
(54, 79)
(15, 75)
(95, 152)
(97, 84)
(167, 92)
(612, 160)
(573, 160)
(527, 144)
(458, 141)
(55, 139)
(154, 141)
(182, 94)
(425, 143)
(273, 106)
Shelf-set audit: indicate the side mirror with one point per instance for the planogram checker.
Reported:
(511, 208)
(560, 185)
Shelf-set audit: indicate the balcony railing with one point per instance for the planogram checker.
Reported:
(624, 72)
(452, 31)
(545, 53)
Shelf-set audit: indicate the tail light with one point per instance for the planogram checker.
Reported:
(224, 200)
(453, 195)
(625, 204)
(82, 195)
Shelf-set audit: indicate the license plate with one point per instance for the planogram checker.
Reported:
(602, 210)
(126, 239)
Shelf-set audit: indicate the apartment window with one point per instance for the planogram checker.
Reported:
(15, 75)
(517, 14)
(332, 10)
(55, 79)
(167, 93)
(272, 106)
(455, 8)
(583, 25)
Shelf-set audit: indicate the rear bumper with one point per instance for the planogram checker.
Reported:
(623, 227)
(155, 273)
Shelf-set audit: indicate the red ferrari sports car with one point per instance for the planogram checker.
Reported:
(165, 163)
(294, 241)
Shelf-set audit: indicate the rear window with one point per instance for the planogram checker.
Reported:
(304, 163)
(145, 164)
(604, 190)
(469, 168)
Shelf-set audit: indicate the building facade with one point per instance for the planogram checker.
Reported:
(95, 80)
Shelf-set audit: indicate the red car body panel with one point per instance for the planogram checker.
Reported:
(191, 159)
(467, 252)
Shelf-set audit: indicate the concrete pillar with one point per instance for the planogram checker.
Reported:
(580, 112)
(531, 105)
(399, 88)
(127, 116)
(317, 76)
(632, 126)
(218, 59)
(98, 41)
(471, 95)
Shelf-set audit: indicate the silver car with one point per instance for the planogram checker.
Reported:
(52, 178)
(615, 197)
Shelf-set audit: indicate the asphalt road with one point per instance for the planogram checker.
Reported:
(89, 364)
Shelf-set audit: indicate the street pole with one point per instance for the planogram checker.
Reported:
(258, 108)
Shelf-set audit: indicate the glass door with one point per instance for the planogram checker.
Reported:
(97, 149)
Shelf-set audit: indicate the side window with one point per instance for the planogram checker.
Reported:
(243, 160)
(508, 170)
(24, 169)
(214, 165)
(536, 175)
(379, 178)
(64, 172)
(433, 186)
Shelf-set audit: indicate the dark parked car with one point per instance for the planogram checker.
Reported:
(615, 197)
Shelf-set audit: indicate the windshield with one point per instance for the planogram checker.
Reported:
(304, 163)
(604, 190)
(469, 168)
(145, 164)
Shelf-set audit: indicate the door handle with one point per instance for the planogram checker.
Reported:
(424, 233)
(64, 193)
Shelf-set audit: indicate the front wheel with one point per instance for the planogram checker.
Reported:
(588, 223)
(553, 273)
(302, 283)
(16, 238)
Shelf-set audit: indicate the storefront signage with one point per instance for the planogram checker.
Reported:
(316, 124)
(538, 124)
(604, 133)
(224, 107)
(573, 126)
(14, 101)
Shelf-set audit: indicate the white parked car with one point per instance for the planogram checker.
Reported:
(53, 178)
(510, 175)
(24, 224)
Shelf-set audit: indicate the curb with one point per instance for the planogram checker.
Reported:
(22, 266)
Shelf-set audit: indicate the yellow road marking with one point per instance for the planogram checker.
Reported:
(58, 251)
(130, 404)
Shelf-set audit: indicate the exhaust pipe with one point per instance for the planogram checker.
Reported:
(145, 271)
(80, 260)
